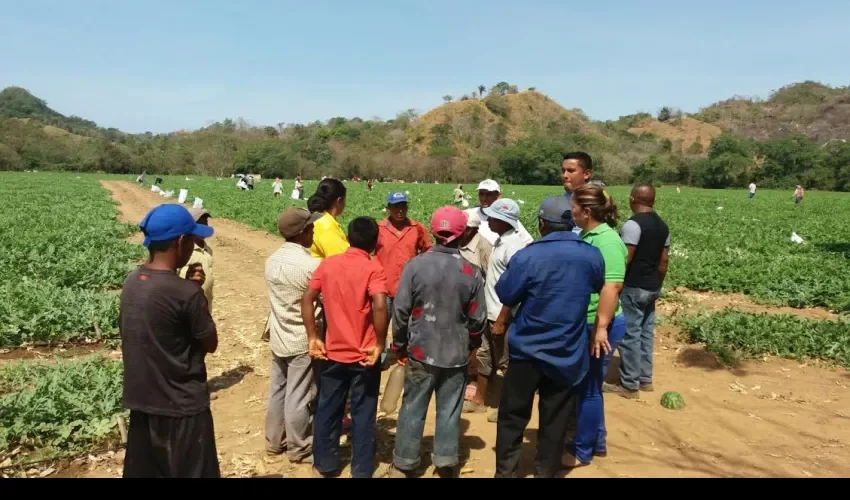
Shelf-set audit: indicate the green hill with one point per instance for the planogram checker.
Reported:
(16, 102)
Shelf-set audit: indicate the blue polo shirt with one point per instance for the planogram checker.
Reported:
(552, 279)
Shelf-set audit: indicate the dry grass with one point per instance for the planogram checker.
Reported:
(682, 133)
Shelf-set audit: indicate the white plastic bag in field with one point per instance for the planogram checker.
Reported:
(198, 203)
(184, 193)
(294, 195)
(464, 203)
(155, 189)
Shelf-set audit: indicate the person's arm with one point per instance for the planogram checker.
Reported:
(630, 233)
(308, 314)
(402, 310)
(662, 264)
(202, 327)
(631, 249)
(500, 326)
(377, 289)
(424, 244)
(476, 313)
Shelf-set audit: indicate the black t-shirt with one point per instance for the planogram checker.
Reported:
(653, 237)
(163, 318)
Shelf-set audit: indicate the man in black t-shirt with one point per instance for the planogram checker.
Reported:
(166, 331)
(647, 239)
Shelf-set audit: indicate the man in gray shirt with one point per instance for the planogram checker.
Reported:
(439, 315)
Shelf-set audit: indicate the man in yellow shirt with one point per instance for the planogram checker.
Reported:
(201, 256)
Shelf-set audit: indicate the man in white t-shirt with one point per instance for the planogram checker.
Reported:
(752, 190)
(488, 192)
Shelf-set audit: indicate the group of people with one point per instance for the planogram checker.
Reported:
(545, 314)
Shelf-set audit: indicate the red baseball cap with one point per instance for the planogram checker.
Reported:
(448, 223)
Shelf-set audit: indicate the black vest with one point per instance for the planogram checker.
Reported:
(642, 271)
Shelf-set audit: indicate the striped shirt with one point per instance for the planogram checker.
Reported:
(288, 271)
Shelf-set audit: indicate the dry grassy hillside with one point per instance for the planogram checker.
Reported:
(683, 133)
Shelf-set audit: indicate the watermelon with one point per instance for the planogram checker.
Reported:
(672, 400)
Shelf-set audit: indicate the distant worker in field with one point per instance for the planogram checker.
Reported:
(202, 256)
(438, 319)
(488, 192)
(492, 356)
(369, 185)
(752, 190)
(141, 178)
(329, 199)
(647, 239)
(292, 386)
(798, 194)
(166, 332)
(400, 239)
(299, 186)
(576, 171)
(354, 291)
(250, 182)
(277, 187)
(458, 193)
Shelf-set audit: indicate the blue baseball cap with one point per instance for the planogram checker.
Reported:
(169, 221)
(557, 209)
(396, 197)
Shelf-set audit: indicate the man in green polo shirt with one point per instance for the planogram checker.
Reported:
(595, 212)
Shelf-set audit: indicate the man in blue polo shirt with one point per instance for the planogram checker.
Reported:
(551, 281)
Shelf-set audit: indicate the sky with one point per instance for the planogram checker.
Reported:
(160, 66)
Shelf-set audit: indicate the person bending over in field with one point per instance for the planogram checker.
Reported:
(166, 332)
(439, 318)
(202, 257)
(354, 291)
(647, 239)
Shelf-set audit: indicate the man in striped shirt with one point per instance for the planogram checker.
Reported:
(292, 384)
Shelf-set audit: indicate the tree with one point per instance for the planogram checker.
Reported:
(481, 90)
(447, 98)
(664, 114)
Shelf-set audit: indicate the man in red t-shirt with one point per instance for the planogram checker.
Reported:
(354, 294)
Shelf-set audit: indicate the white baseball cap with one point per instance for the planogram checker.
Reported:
(489, 185)
(473, 219)
(504, 209)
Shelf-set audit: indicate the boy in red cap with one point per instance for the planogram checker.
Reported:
(166, 331)
(438, 319)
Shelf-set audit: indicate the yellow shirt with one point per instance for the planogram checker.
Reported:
(328, 238)
(204, 257)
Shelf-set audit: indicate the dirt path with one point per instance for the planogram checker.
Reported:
(766, 419)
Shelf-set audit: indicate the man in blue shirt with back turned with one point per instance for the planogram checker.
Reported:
(551, 281)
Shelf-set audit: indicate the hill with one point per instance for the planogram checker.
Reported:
(811, 109)
(16, 102)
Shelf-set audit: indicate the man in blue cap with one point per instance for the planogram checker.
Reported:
(400, 239)
(548, 345)
(166, 332)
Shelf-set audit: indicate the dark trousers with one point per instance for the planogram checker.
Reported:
(177, 447)
(522, 381)
(336, 381)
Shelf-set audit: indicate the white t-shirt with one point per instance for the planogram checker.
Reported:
(489, 235)
(752, 187)
(503, 249)
(277, 187)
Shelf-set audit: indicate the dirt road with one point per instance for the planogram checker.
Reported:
(773, 418)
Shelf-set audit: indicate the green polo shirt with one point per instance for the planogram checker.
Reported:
(614, 253)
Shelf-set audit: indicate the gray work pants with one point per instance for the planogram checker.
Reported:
(292, 387)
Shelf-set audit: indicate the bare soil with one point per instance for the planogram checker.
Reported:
(774, 418)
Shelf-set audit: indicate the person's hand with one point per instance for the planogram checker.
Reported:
(195, 272)
(373, 354)
(498, 328)
(599, 345)
(317, 349)
(401, 358)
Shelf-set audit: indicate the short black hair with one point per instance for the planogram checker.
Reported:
(554, 227)
(583, 159)
(363, 233)
(160, 246)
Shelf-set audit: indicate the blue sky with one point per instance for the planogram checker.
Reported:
(164, 65)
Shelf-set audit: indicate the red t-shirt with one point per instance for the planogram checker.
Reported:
(347, 282)
(396, 248)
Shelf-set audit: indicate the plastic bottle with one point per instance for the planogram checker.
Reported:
(393, 390)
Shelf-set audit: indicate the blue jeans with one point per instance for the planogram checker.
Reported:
(420, 381)
(336, 380)
(636, 347)
(590, 431)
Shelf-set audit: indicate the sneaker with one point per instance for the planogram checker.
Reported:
(395, 473)
(493, 417)
(317, 474)
(473, 407)
(620, 390)
(445, 472)
(647, 387)
(307, 459)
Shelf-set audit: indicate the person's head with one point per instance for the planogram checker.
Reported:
(642, 197)
(502, 216)
(555, 215)
(448, 224)
(170, 231)
(295, 224)
(473, 222)
(591, 206)
(202, 217)
(330, 197)
(363, 233)
(576, 170)
(488, 192)
(397, 206)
